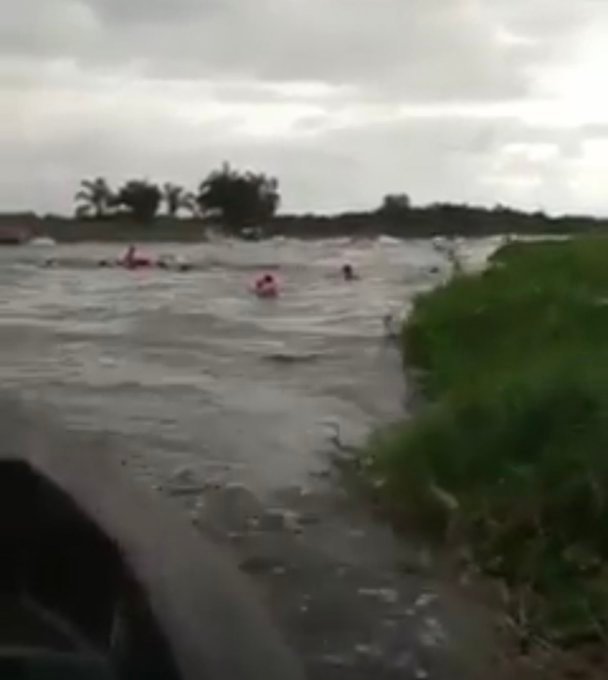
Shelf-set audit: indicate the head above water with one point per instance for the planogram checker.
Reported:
(348, 271)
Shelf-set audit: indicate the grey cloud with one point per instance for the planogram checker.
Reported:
(118, 12)
(170, 88)
(46, 28)
(399, 49)
(546, 19)
(460, 159)
(418, 48)
(433, 159)
(595, 130)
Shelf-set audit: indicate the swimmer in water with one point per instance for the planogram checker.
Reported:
(182, 264)
(129, 259)
(349, 273)
(132, 259)
(266, 286)
(391, 330)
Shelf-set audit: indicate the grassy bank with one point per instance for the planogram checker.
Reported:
(510, 454)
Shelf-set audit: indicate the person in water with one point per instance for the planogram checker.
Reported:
(182, 264)
(266, 286)
(129, 259)
(132, 259)
(349, 273)
(391, 329)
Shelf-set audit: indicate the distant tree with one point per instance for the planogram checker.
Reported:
(395, 204)
(141, 198)
(94, 196)
(241, 197)
(176, 198)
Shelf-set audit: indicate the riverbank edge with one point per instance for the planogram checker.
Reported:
(418, 501)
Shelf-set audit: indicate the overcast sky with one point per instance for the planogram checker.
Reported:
(483, 101)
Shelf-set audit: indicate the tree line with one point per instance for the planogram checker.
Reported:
(238, 198)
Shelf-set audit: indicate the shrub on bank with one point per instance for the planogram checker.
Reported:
(512, 448)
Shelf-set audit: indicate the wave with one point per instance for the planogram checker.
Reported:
(292, 358)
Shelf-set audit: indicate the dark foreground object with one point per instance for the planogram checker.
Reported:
(98, 580)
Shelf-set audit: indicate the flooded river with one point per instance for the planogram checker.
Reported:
(189, 369)
(231, 400)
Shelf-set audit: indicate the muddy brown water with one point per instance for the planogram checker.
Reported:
(226, 403)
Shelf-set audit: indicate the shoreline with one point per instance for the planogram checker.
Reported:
(496, 435)
(416, 223)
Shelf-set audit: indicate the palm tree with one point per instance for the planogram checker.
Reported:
(395, 203)
(94, 196)
(176, 198)
(241, 197)
(141, 198)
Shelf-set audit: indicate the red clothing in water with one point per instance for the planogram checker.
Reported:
(266, 286)
(132, 259)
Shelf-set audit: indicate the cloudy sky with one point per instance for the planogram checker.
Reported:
(482, 101)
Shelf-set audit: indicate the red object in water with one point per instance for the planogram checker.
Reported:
(268, 290)
(136, 262)
(132, 260)
(266, 286)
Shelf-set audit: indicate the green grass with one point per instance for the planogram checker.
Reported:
(512, 447)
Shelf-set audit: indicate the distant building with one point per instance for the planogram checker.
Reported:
(14, 235)
(16, 228)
